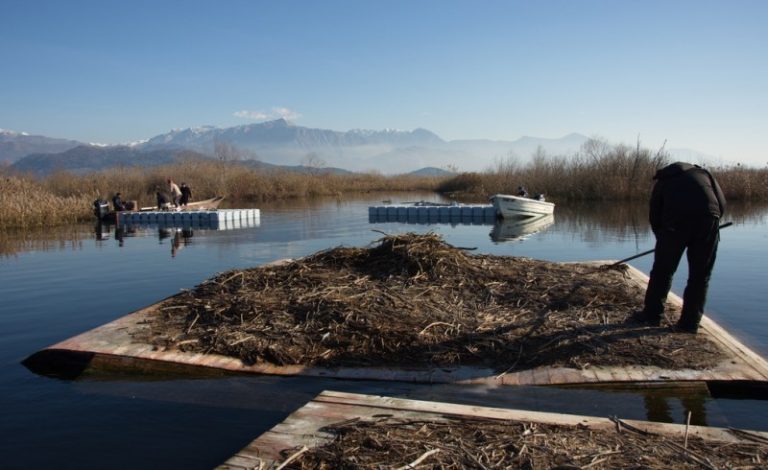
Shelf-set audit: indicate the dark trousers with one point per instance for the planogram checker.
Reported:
(700, 237)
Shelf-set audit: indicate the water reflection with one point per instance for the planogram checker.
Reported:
(102, 231)
(601, 219)
(519, 229)
(178, 237)
(43, 239)
(658, 407)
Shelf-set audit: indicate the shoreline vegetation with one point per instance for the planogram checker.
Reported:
(597, 172)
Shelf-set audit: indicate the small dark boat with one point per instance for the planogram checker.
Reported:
(102, 211)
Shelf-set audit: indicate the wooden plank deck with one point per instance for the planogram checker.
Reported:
(112, 347)
(303, 427)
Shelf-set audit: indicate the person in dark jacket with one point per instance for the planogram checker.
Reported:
(186, 194)
(685, 210)
(162, 200)
(117, 202)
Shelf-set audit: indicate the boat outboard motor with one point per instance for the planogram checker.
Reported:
(100, 208)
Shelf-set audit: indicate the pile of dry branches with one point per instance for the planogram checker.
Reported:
(412, 300)
(459, 443)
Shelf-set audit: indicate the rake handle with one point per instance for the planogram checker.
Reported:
(639, 255)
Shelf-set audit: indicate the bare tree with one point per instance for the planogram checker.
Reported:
(226, 152)
(595, 149)
(313, 162)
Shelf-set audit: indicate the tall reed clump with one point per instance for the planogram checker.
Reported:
(740, 183)
(26, 203)
(597, 172)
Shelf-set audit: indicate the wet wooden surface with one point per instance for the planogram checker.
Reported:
(303, 427)
(112, 347)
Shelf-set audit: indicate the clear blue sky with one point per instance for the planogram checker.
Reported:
(694, 73)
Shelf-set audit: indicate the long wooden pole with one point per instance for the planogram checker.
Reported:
(639, 255)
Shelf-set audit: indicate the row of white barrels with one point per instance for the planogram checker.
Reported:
(191, 218)
(214, 225)
(484, 211)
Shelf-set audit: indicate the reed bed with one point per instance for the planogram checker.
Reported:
(27, 203)
(597, 172)
(476, 443)
(65, 198)
(414, 301)
(232, 179)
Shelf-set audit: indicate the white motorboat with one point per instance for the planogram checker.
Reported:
(508, 206)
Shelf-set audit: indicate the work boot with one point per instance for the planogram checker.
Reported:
(682, 328)
(641, 316)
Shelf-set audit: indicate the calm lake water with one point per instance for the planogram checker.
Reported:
(58, 284)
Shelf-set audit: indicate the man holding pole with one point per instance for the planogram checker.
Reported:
(685, 210)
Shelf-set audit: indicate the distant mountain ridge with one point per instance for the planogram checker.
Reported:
(284, 144)
(90, 158)
(16, 145)
(282, 132)
(389, 151)
(280, 142)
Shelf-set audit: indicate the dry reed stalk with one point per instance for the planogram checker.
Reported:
(451, 442)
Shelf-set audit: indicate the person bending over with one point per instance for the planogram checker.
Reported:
(685, 210)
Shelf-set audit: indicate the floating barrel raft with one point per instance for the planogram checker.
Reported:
(413, 308)
(348, 430)
(215, 219)
(432, 213)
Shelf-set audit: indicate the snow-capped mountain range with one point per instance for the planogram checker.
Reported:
(283, 143)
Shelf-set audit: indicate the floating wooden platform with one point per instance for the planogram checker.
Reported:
(303, 427)
(112, 347)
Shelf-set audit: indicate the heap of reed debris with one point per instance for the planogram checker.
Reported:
(412, 300)
(476, 443)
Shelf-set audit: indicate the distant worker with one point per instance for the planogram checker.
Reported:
(162, 201)
(522, 192)
(173, 188)
(117, 203)
(100, 208)
(186, 194)
(685, 210)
